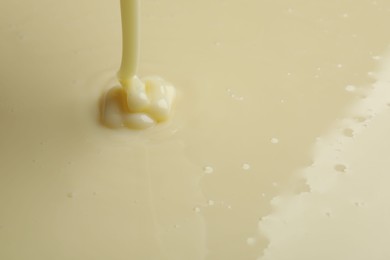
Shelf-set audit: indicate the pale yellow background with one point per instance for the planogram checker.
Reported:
(247, 72)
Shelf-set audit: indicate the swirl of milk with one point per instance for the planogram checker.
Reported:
(138, 104)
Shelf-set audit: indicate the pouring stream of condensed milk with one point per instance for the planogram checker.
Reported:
(137, 103)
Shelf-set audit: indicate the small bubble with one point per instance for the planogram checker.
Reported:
(246, 166)
(274, 140)
(348, 132)
(275, 184)
(177, 226)
(234, 96)
(208, 169)
(211, 203)
(217, 44)
(359, 204)
(70, 195)
(340, 168)
(376, 57)
(197, 209)
(229, 207)
(345, 15)
(350, 88)
(263, 195)
(339, 66)
(289, 73)
(328, 214)
(251, 241)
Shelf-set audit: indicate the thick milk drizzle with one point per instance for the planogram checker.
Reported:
(130, 40)
(137, 104)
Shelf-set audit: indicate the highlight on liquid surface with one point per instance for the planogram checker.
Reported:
(137, 104)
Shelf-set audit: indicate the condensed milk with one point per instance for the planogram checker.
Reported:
(276, 148)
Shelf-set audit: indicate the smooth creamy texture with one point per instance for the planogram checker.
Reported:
(259, 82)
(137, 103)
(130, 40)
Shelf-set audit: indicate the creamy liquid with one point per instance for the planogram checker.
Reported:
(229, 177)
(130, 40)
(348, 182)
(137, 104)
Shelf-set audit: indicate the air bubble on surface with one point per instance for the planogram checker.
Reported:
(246, 166)
(340, 168)
(328, 214)
(359, 204)
(350, 88)
(234, 95)
(208, 169)
(348, 132)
